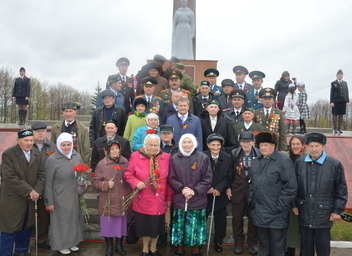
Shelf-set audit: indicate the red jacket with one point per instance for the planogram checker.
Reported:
(146, 201)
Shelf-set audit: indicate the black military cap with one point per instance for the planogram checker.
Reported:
(38, 125)
(107, 92)
(228, 82)
(149, 81)
(166, 128)
(315, 137)
(122, 61)
(24, 133)
(139, 101)
(339, 72)
(267, 93)
(214, 101)
(114, 79)
(68, 105)
(211, 72)
(159, 58)
(174, 59)
(267, 137)
(246, 136)
(238, 93)
(240, 69)
(205, 83)
(174, 74)
(22, 69)
(215, 136)
(256, 75)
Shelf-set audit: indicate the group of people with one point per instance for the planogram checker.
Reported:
(177, 158)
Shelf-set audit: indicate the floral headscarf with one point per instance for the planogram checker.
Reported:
(107, 150)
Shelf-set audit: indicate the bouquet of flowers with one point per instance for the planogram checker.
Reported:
(80, 169)
(108, 200)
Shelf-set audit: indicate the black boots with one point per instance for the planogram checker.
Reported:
(22, 117)
(119, 249)
(109, 248)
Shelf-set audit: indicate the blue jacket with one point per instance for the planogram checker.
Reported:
(253, 101)
(139, 136)
(118, 100)
(192, 125)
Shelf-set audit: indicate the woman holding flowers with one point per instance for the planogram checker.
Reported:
(147, 174)
(190, 178)
(152, 121)
(61, 196)
(113, 188)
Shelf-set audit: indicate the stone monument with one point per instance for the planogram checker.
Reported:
(183, 32)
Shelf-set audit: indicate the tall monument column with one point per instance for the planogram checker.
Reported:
(184, 30)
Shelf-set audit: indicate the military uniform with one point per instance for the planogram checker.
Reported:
(165, 95)
(253, 100)
(155, 106)
(187, 84)
(339, 94)
(127, 90)
(240, 127)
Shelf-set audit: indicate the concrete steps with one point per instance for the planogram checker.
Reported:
(85, 119)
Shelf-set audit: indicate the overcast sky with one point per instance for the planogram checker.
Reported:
(78, 42)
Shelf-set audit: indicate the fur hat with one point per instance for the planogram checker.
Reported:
(268, 137)
(315, 137)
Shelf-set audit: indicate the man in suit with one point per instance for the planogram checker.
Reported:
(252, 96)
(221, 164)
(201, 100)
(144, 72)
(270, 118)
(234, 115)
(241, 73)
(211, 74)
(213, 121)
(154, 103)
(239, 191)
(22, 182)
(225, 99)
(247, 124)
(171, 109)
(339, 99)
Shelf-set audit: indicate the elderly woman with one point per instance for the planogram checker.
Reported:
(109, 181)
(61, 197)
(190, 178)
(147, 172)
(137, 119)
(297, 149)
(152, 121)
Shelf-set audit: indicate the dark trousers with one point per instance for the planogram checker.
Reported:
(272, 241)
(43, 222)
(21, 239)
(238, 212)
(315, 238)
(220, 225)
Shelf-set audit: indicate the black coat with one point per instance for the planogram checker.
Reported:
(339, 92)
(222, 102)
(166, 112)
(272, 188)
(322, 190)
(281, 88)
(221, 179)
(144, 72)
(222, 127)
(99, 147)
(119, 116)
(198, 106)
(232, 118)
(22, 87)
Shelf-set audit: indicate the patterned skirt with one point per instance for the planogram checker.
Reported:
(194, 232)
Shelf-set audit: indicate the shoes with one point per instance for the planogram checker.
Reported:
(339, 130)
(156, 253)
(290, 251)
(335, 131)
(119, 248)
(74, 249)
(21, 254)
(301, 132)
(144, 254)
(64, 251)
(218, 247)
(44, 245)
(162, 241)
(253, 249)
(238, 249)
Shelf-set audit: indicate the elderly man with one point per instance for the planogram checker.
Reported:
(46, 148)
(321, 196)
(270, 118)
(221, 164)
(115, 87)
(127, 90)
(225, 98)
(272, 188)
(241, 73)
(73, 126)
(238, 193)
(202, 99)
(98, 149)
(185, 122)
(108, 112)
(22, 182)
(213, 121)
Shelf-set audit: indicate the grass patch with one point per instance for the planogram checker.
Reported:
(341, 231)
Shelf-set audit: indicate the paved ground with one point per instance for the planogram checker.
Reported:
(98, 248)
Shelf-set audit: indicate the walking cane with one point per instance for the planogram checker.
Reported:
(36, 226)
(184, 221)
(211, 223)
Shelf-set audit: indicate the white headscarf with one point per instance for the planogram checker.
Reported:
(62, 138)
(193, 139)
(151, 115)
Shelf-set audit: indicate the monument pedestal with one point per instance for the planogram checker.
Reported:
(195, 68)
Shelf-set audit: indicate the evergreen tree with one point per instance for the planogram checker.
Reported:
(94, 98)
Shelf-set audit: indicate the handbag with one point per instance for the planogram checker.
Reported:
(131, 237)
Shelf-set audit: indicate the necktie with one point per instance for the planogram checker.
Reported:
(68, 124)
(183, 119)
(124, 79)
(215, 160)
(267, 113)
(167, 149)
(241, 86)
(205, 102)
(227, 99)
(256, 93)
(237, 113)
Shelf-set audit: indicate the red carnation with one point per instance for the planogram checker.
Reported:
(151, 131)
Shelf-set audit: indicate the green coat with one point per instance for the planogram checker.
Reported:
(19, 178)
(83, 147)
(187, 84)
(274, 122)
